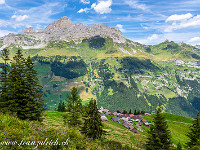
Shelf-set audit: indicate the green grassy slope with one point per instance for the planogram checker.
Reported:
(178, 125)
(16, 134)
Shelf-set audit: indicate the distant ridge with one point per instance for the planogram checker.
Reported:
(62, 29)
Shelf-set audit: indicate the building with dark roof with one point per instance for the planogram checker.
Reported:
(115, 119)
(126, 124)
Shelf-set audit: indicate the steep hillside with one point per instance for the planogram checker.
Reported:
(119, 73)
(122, 83)
(170, 50)
(178, 125)
(16, 134)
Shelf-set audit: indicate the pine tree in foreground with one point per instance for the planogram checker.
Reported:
(16, 86)
(4, 81)
(93, 127)
(24, 92)
(194, 134)
(74, 105)
(34, 94)
(159, 136)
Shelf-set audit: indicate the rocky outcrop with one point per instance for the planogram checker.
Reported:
(29, 30)
(63, 30)
(60, 24)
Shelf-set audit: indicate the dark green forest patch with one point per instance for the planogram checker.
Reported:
(133, 64)
(72, 69)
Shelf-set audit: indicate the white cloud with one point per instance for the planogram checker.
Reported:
(4, 32)
(137, 5)
(179, 17)
(102, 7)
(144, 26)
(176, 37)
(191, 22)
(83, 10)
(2, 2)
(153, 37)
(39, 16)
(85, 1)
(120, 27)
(4, 23)
(194, 39)
(20, 17)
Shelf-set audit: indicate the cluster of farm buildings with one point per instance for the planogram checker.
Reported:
(130, 121)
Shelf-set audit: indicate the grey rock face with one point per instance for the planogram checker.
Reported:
(62, 30)
(29, 30)
(60, 24)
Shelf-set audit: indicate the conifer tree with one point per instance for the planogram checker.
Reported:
(135, 112)
(17, 96)
(93, 127)
(138, 112)
(34, 94)
(194, 134)
(159, 136)
(4, 81)
(63, 107)
(59, 107)
(124, 112)
(74, 105)
(130, 111)
(142, 112)
(25, 93)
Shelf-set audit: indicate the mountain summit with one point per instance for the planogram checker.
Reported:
(59, 24)
(62, 29)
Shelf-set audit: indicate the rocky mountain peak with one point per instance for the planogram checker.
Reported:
(101, 24)
(181, 43)
(29, 30)
(62, 29)
(63, 22)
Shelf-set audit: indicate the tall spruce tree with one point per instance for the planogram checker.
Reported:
(159, 136)
(34, 94)
(74, 105)
(17, 96)
(25, 93)
(93, 127)
(194, 134)
(4, 81)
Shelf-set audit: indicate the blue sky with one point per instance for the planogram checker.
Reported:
(144, 21)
